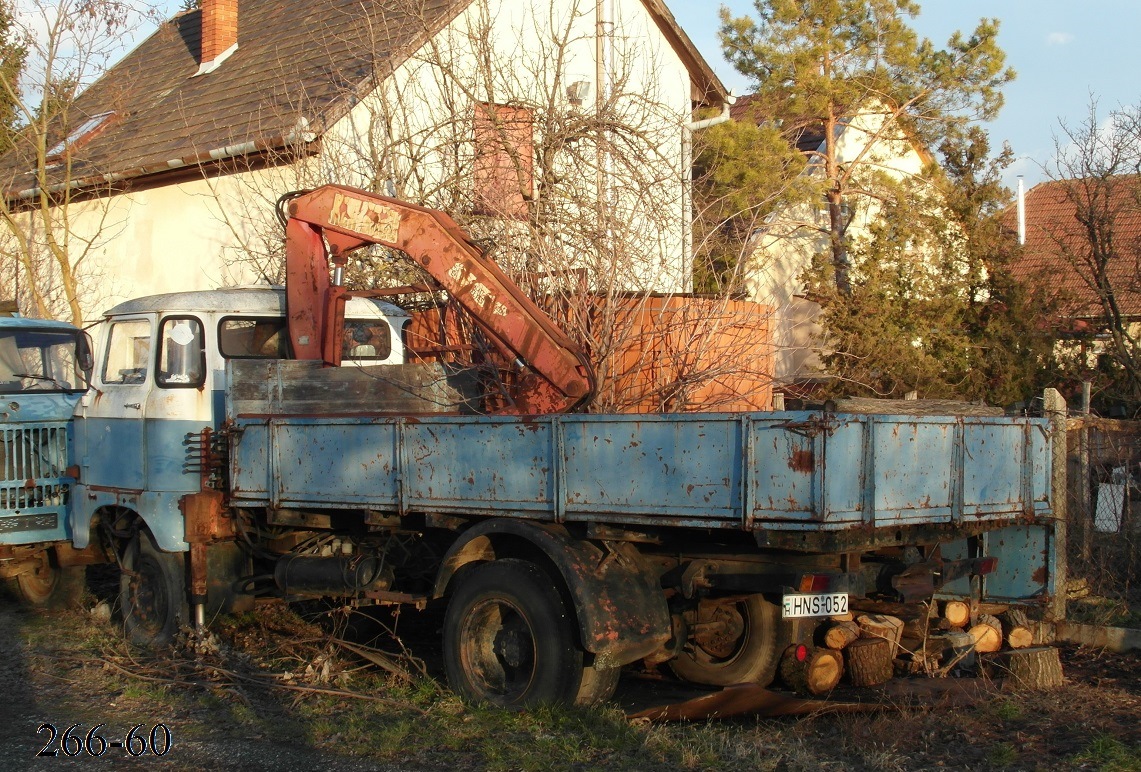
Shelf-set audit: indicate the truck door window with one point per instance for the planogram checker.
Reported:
(253, 338)
(128, 352)
(181, 354)
(366, 341)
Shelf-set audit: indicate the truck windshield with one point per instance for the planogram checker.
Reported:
(39, 360)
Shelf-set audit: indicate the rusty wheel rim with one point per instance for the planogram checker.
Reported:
(498, 649)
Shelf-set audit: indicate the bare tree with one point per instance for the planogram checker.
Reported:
(45, 259)
(1096, 168)
(575, 178)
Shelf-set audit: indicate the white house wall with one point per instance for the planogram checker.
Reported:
(428, 102)
(193, 235)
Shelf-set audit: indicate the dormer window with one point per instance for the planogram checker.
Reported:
(86, 131)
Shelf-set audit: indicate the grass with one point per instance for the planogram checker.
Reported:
(1109, 754)
(421, 724)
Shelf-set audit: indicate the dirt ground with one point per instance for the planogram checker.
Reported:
(68, 668)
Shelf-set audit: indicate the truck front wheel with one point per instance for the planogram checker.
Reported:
(731, 642)
(152, 592)
(509, 640)
(50, 584)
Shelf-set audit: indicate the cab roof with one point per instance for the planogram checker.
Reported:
(251, 301)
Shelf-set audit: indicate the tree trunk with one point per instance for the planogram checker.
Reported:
(869, 662)
(1036, 668)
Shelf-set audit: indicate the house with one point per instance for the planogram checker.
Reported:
(792, 236)
(1091, 284)
(499, 112)
(1057, 245)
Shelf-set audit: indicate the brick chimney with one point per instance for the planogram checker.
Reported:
(219, 32)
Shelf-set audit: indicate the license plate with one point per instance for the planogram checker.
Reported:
(816, 604)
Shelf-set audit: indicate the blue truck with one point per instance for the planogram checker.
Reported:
(316, 442)
(42, 377)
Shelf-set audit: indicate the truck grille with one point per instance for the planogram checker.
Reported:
(33, 460)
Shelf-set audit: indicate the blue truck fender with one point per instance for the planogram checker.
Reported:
(620, 607)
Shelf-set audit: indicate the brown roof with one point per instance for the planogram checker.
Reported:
(1055, 247)
(294, 59)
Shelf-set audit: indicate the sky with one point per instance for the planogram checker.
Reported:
(1064, 51)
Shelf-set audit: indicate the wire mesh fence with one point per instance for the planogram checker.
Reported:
(1104, 507)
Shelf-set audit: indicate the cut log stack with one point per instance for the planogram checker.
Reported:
(919, 640)
(883, 626)
(1016, 629)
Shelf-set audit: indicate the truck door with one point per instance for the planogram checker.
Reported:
(113, 413)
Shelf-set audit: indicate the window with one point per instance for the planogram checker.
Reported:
(504, 160)
(263, 338)
(366, 341)
(128, 352)
(39, 360)
(181, 354)
(87, 131)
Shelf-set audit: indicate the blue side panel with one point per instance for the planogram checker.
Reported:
(912, 475)
(993, 470)
(454, 467)
(158, 509)
(640, 466)
(763, 470)
(784, 482)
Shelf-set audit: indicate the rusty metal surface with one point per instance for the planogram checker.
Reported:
(763, 472)
(349, 218)
(619, 606)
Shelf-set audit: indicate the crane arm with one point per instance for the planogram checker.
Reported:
(346, 219)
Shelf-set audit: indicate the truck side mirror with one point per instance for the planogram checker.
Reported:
(84, 355)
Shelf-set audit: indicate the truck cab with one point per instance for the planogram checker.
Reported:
(42, 379)
(159, 379)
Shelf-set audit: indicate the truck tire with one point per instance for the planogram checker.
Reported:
(510, 641)
(152, 592)
(738, 646)
(52, 586)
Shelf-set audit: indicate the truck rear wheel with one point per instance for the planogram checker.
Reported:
(733, 642)
(510, 641)
(152, 592)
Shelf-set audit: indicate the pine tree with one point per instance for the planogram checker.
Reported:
(823, 62)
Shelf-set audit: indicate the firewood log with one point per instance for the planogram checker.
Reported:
(882, 626)
(987, 634)
(957, 613)
(1016, 629)
(841, 634)
(1034, 668)
(817, 673)
(869, 661)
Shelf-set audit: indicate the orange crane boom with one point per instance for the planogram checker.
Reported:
(326, 224)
